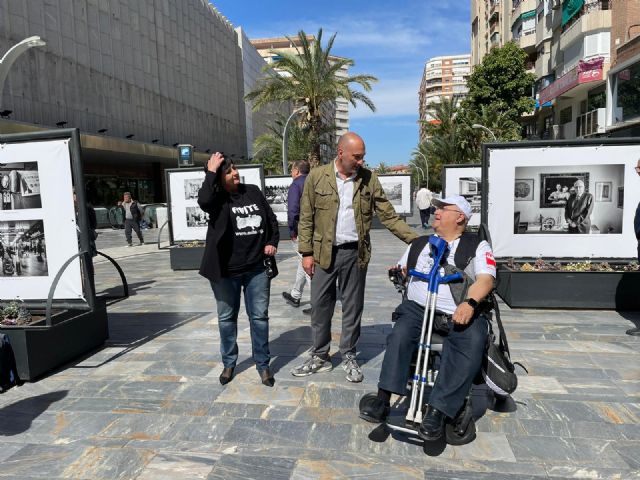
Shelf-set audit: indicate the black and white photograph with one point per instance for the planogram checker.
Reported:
(196, 217)
(23, 249)
(397, 189)
(523, 190)
(191, 188)
(603, 191)
(276, 190)
(566, 202)
(19, 186)
(471, 189)
(556, 188)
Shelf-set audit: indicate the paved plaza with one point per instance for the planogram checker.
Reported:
(149, 405)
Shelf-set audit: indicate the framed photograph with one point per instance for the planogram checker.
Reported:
(581, 172)
(465, 180)
(603, 191)
(38, 230)
(556, 188)
(19, 186)
(523, 190)
(397, 188)
(620, 203)
(276, 189)
(187, 222)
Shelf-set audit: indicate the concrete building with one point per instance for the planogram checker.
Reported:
(443, 77)
(342, 106)
(135, 76)
(490, 26)
(331, 111)
(623, 83)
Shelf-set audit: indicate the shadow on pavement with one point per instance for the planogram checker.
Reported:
(18, 416)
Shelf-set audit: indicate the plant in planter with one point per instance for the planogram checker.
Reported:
(541, 265)
(13, 313)
(193, 244)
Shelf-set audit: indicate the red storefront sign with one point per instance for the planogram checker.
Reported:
(585, 72)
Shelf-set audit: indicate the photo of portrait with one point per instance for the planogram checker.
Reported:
(397, 189)
(471, 189)
(556, 188)
(23, 251)
(464, 180)
(19, 186)
(566, 202)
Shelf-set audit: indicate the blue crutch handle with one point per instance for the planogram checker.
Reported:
(451, 278)
(423, 276)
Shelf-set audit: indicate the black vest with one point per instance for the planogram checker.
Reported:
(464, 254)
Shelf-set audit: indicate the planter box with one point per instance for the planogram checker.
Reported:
(581, 290)
(39, 349)
(186, 258)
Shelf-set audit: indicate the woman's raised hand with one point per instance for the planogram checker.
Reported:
(214, 162)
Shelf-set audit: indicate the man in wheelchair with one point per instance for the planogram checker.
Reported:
(461, 311)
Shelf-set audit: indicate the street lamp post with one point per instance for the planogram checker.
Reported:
(426, 162)
(477, 126)
(285, 139)
(419, 171)
(13, 53)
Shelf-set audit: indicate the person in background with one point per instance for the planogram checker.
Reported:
(299, 172)
(132, 216)
(242, 233)
(423, 202)
(578, 209)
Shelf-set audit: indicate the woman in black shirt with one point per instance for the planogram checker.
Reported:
(242, 231)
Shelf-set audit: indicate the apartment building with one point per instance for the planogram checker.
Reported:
(443, 77)
(623, 83)
(490, 26)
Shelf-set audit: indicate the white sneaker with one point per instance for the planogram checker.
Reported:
(350, 365)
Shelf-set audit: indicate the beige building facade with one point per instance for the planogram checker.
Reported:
(442, 77)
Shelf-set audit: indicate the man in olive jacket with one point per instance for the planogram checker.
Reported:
(336, 211)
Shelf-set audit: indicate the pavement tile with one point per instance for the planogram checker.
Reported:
(169, 466)
(112, 463)
(249, 468)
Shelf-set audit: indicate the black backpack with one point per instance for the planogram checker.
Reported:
(8, 370)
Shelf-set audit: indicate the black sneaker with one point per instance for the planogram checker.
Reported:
(373, 409)
(294, 302)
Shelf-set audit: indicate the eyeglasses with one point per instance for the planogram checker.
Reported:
(448, 209)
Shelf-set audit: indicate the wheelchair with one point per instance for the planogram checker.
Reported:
(460, 430)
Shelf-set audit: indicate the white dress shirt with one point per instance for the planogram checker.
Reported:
(346, 231)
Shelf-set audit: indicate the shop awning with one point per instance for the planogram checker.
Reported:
(569, 9)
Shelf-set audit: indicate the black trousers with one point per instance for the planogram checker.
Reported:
(460, 361)
(128, 225)
(424, 216)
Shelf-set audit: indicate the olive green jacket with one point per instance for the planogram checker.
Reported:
(319, 211)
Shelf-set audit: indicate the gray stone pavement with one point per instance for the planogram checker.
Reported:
(149, 405)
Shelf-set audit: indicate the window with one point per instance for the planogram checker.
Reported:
(566, 114)
(627, 85)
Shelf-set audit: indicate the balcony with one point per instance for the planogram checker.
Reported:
(591, 123)
(527, 41)
(591, 21)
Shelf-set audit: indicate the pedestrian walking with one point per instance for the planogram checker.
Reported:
(299, 171)
(132, 216)
(242, 234)
(336, 211)
(423, 202)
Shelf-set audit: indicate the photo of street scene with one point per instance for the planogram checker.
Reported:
(555, 199)
(276, 191)
(19, 186)
(23, 249)
(393, 191)
(196, 217)
(191, 188)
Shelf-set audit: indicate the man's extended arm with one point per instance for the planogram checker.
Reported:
(478, 291)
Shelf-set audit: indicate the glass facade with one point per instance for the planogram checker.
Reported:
(627, 85)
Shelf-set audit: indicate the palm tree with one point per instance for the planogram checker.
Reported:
(382, 169)
(309, 78)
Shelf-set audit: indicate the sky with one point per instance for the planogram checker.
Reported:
(391, 40)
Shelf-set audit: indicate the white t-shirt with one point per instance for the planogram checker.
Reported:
(423, 199)
(484, 263)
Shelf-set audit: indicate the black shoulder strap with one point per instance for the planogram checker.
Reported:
(466, 249)
(414, 251)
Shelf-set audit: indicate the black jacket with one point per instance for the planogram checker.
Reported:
(215, 201)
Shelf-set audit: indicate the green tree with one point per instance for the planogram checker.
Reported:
(502, 82)
(310, 79)
(381, 169)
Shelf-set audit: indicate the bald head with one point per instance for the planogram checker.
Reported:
(351, 152)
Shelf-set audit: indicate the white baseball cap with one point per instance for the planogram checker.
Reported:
(456, 200)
